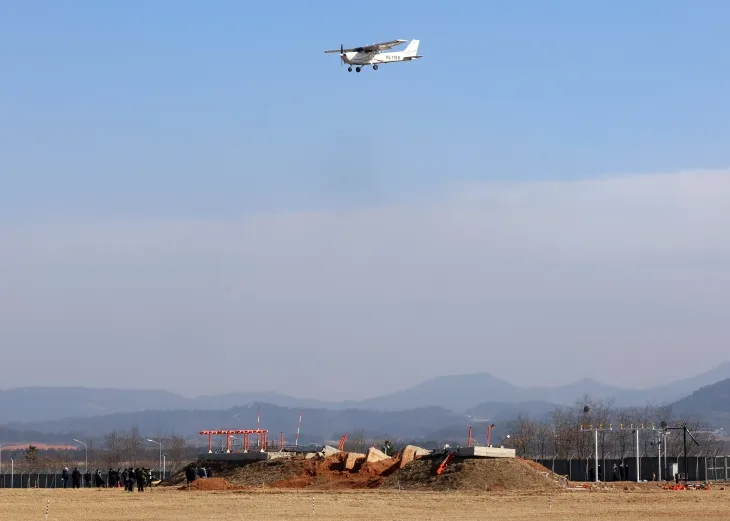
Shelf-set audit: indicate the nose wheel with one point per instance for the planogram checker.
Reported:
(349, 69)
(375, 67)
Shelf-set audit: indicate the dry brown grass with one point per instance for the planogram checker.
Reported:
(174, 505)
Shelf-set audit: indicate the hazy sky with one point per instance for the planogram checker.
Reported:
(197, 198)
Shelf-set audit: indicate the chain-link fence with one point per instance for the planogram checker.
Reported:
(699, 468)
(44, 479)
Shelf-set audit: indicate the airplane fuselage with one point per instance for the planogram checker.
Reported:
(370, 58)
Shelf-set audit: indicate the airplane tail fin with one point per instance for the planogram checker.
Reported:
(412, 48)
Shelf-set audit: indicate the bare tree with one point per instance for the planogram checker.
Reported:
(132, 445)
(176, 449)
(622, 440)
(113, 449)
(522, 435)
(544, 439)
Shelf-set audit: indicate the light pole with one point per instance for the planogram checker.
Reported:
(1, 459)
(86, 452)
(160, 444)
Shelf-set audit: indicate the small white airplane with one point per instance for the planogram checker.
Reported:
(373, 54)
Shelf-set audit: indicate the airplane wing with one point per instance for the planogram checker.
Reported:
(373, 47)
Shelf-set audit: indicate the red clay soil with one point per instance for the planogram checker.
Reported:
(330, 474)
(209, 484)
(323, 474)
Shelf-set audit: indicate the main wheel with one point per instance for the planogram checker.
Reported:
(358, 69)
(375, 67)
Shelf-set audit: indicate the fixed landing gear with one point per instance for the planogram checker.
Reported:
(359, 68)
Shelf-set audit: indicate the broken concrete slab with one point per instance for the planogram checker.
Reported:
(412, 452)
(485, 452)
(352, 460)
(376, 455)
(329, 450)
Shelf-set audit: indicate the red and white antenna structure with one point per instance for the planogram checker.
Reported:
(299, 425)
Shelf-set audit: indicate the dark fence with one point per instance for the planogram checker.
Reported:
(699, 468)
(51, 480)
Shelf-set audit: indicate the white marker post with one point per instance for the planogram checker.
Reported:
(638, 467)
(596, 458)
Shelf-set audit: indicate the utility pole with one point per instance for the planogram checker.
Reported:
(160, 444)
(638, 458)
(595, 449)
(595, 446)
(634, 428)
(685, 431)
(86, 451)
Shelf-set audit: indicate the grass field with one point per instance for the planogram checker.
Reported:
(173, 505)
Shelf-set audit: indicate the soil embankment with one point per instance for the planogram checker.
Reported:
(333, 473)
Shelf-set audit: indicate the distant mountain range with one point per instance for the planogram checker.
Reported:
(317, 424)
(463, 392)
(710, 404)
(458, 394)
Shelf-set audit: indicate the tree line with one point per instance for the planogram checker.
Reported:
(117, 449)
(563, 433)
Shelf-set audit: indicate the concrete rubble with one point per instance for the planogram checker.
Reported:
(376, 455)
(412, 452)
(352, 460)
(329, 451)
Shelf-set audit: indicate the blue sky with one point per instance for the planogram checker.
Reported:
(199, 182)
(193, 108)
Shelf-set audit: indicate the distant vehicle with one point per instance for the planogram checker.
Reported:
(373, 54)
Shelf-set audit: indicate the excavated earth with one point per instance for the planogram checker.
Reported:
(330, 474)
(474, 475)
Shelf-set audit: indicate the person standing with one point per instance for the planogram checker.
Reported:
(76, 478)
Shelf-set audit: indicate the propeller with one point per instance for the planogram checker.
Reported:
(342, 54)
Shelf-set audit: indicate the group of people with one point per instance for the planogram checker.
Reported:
(76, 476)
(192, 472)
(620, 472)
(142, 477)
(129, 477)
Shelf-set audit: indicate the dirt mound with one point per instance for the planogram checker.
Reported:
(332, 473)
(324, 474)
(535, 465)
(473, 474)
(266, 473)
(209, 484)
